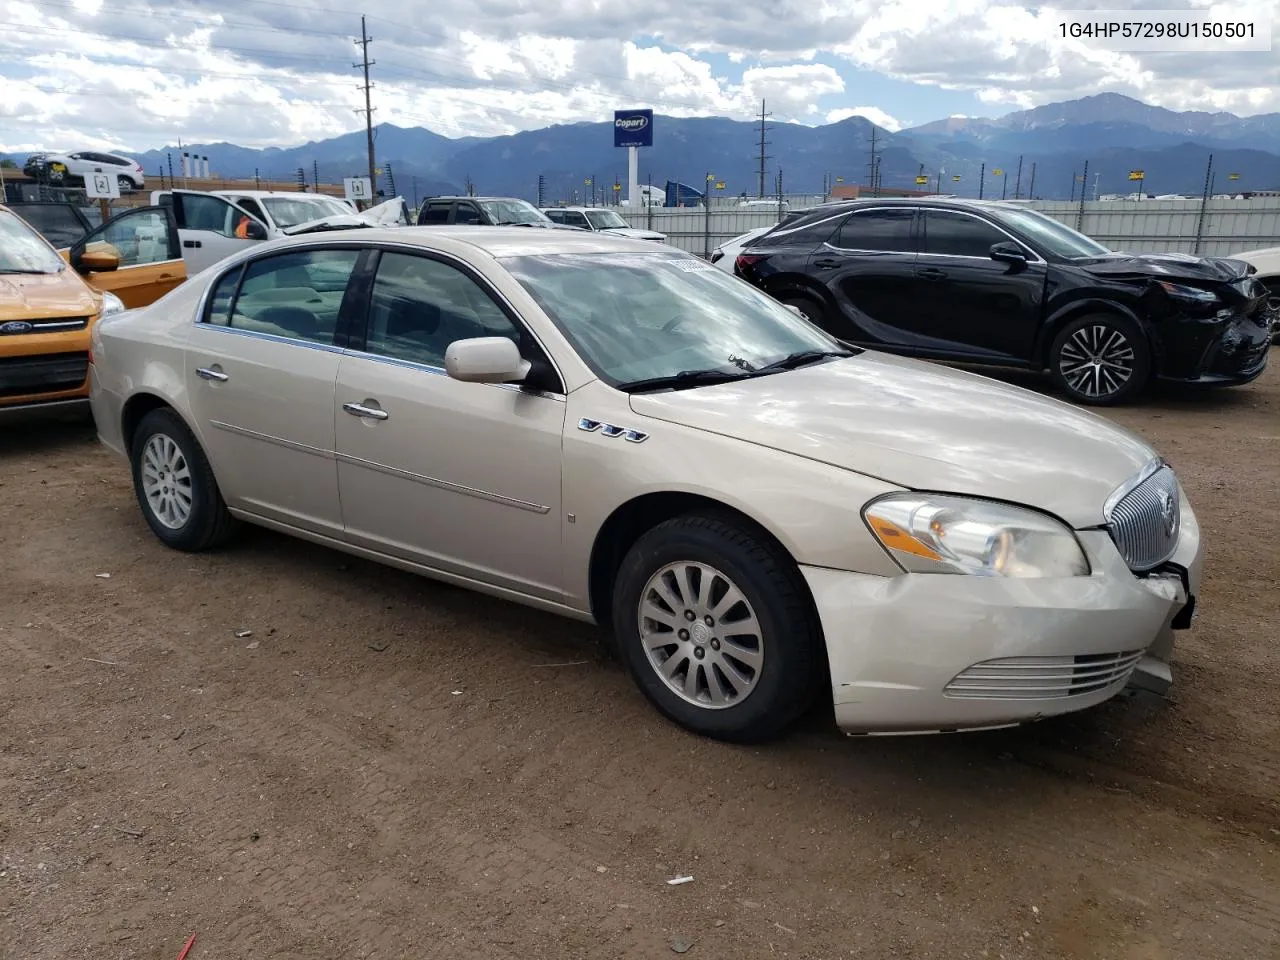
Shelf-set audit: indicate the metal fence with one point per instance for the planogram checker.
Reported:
(1208, 228)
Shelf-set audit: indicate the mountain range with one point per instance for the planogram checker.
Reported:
(1114, 133)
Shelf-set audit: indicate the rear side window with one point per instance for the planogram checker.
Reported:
(434, 213)
(810, 235)
(295, 295)
(880, 230)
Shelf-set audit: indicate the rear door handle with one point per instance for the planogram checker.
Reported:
(826, 263)
(360, 410)
(931, 273)
(212, 373)
(191, 244)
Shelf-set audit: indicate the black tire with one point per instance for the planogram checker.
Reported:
(813, 311)
(208, 523)
(789, 639)
(1115, 339)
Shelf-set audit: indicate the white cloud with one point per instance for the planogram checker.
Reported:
(874, 114)
(138, 73)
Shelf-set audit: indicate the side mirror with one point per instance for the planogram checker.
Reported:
(1008, 252)
(101, 258)
(485, 360)
(256, 231)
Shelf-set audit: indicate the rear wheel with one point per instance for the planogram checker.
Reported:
(175, 486)
(712, 623)
(1100, 359)
(124, 183)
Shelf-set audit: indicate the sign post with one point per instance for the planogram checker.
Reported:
(103, 187)
(633, 129)
(358, 189)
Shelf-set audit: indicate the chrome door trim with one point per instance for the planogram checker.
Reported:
(270, 438)
(442, 372)
(442, 484)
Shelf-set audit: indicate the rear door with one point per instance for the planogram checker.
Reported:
(206, 227)
(868, 266)
(151, 264)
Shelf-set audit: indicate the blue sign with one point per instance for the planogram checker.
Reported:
(633, 128)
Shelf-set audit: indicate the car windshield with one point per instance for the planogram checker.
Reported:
(606, 220)
(512, 211)
(22, 250)
(638, 317)
(1050, 235)
(291, 211)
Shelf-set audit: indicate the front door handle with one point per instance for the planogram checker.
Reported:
(360, 410)
(192, 244)
(931, 273)
(212, 373)
(827, 263)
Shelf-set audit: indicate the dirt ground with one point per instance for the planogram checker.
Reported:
(387, 767)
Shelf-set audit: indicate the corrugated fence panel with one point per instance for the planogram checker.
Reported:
(1138, 226)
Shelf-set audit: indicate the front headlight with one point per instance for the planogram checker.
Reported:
(927, 533)
(111, 304)
(1194, 295)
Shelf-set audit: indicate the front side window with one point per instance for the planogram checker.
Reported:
(634, 317)
(22, 250)
(576, 219)
(139, 238)
(206, 212)
(251, 205)
(296, 295)
(886, 230)
(419, 306)
(466, 214)
(959, 235)
(1047, 233)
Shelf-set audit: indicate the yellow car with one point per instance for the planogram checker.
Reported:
(50, 299)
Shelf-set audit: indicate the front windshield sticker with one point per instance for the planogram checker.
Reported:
(691, 264)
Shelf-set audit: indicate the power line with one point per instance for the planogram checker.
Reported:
(363, 43)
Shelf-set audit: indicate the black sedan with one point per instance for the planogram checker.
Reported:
(997, 283)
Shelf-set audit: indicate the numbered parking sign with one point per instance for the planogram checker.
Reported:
(102, 186)
(357, 188)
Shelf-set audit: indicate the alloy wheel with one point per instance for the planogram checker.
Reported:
(1097, 361)
(166, 481)
(701, 635)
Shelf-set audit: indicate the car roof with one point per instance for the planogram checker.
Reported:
(954, 203)
(271, 193)
(575, 209)
(465, 197)
(495, 241)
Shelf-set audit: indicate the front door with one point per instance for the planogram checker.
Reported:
(970, 304)
(868, 266)
(151, 263)
(261, 366)
(460, 477)
(207, 228)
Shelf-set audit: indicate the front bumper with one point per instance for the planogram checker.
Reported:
(922, 653)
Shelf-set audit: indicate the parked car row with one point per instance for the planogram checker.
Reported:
(72, 168)
(754, 510)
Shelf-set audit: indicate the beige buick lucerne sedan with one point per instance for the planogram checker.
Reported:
(626, 435)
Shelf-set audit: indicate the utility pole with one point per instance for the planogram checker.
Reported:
(763, 143)
(873, 166)
(366, 63)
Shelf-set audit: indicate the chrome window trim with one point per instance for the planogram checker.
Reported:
(251, 255)
(924, 236)
(442, 372)
(274, 338)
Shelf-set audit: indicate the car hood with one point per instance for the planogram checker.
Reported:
(922, 426)
(37, 296)
(635, 232)
(1172, 266)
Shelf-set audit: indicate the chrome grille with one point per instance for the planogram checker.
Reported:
(1143, 519)
(43, 325)
(1042, 678)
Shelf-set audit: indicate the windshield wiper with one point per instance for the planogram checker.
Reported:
(685, 378)
(803, 357)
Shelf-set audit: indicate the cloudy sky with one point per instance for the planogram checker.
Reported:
(138, 74)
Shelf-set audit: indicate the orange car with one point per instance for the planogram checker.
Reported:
(50, 299)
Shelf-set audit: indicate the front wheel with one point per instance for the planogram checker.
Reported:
(712, 623)
(174, 485)
(1100, 359)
